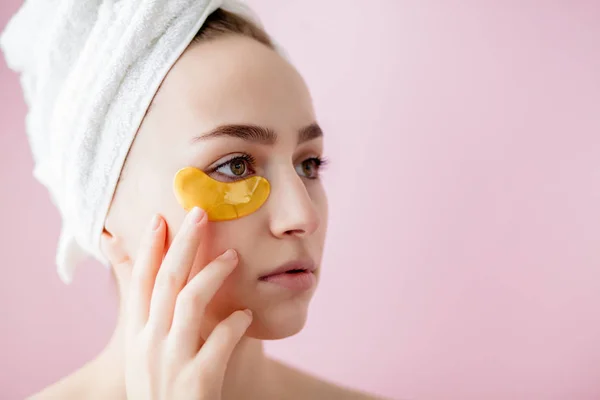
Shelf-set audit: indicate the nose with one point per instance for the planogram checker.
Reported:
(292, 211)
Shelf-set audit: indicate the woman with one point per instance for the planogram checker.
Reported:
(199, 296)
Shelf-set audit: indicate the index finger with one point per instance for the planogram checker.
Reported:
(175, 269)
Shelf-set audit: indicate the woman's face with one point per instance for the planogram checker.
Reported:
(234, 81)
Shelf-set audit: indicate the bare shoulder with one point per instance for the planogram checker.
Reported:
(335, 392)
(84, 383)
(301, 385)
(67, 388)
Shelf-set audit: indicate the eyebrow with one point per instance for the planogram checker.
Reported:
(258, 134)
(310, 132)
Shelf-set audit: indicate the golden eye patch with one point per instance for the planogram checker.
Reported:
(222, 201)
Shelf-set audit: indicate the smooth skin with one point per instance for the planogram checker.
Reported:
(182, 330)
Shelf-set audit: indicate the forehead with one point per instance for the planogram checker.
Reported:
(234, 79)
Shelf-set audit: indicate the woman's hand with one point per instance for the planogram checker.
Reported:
(166, 357)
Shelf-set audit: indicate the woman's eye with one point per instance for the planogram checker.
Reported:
(241, 167)
(234, 169)
(237, 167)
(309, 168)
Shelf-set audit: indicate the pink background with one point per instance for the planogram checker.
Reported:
(465, 266)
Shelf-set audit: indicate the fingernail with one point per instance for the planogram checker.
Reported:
(229, 255)
(196, 215)
(155, 222)
(248, 312)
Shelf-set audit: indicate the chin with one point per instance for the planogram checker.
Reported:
(279, 321)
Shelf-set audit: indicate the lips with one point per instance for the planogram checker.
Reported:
(295, 276)
(291, 268)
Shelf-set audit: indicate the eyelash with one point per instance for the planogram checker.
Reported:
(245, 157)
(320, 163)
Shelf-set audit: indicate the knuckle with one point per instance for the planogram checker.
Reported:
(190, 299)
(206, 373)
(170, 359)
(146, 344)
(167, 280)
(139, 273)
(144, 357)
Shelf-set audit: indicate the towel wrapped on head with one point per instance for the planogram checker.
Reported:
(89, 70)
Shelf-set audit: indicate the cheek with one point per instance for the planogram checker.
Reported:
(321, 203)
(242, 236)
(223, 236)
(324, 208)
(236, 234)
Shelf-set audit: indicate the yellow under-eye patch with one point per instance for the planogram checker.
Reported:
(222, 201)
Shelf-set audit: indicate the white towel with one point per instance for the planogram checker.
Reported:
(89, 69)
